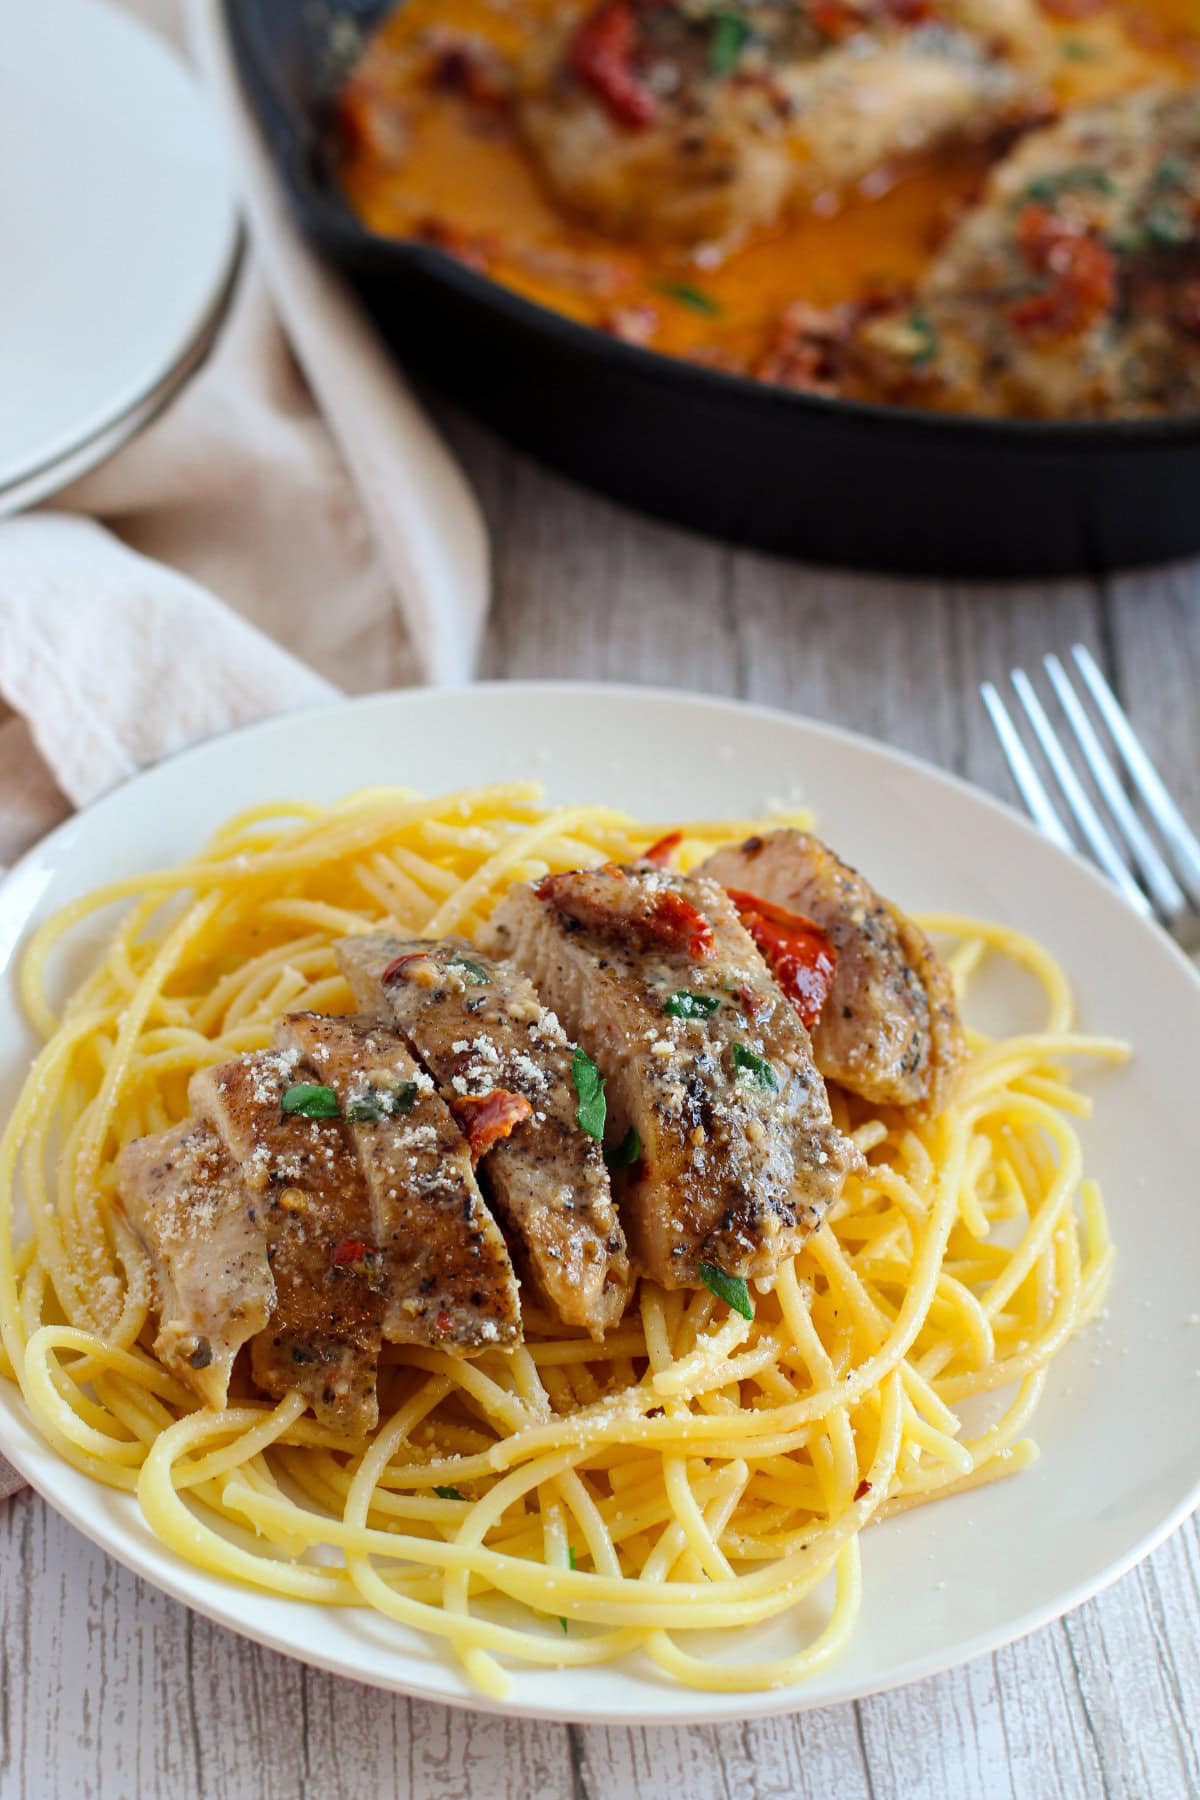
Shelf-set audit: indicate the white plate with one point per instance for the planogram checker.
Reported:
(1120, 1424)
(118, 228)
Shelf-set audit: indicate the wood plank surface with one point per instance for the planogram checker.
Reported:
(109, 1691)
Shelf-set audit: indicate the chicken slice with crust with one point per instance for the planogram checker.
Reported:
(182, 1195)
(448, 1280)
(711, 1088)
(305, 1188)
(889, 1029)
(504, 1066)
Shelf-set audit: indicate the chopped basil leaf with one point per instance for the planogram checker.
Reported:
(311, 1100)
(1079, 50)
(731, 34)
(626, 1152)
(475, 972)
(571, 1554)
(684, 1005)
(731, 1289)
(563, 1623)
(1048, 188)
(448, 1493)
(754, 1068)
(925, 333)
(589, 1085)
(382, 1103)
(687, 295)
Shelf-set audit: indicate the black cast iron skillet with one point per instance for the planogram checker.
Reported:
(831, 480)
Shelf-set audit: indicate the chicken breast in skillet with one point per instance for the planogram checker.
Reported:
(504, 1065)
(182, 1195)
(889, 1028)
(691, 121)
(712, 1096)
(1073, 290)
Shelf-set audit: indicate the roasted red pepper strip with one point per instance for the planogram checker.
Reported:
(1082, 272)
(486, 1118)
(662, 852)
(602, 54)
(795, 949)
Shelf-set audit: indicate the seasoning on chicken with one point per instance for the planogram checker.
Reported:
(183, 1197)
(889, 1029)
(711, 1089)
(1072, 290)
(483, 1034)
(323, 1338)
(692, 123)
(447, 1277)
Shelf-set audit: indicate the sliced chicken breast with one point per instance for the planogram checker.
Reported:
(182, 1195)
(448, 1279)
(504, 1065)
(889, 1029)
(305, 1187)
(712, 1094)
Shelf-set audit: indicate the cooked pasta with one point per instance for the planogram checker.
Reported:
(569, 1502)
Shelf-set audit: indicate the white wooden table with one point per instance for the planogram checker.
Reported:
(108, 1689)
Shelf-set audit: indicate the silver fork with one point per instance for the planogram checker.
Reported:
(1161, 883)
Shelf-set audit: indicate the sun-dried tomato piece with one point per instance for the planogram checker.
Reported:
(487, 1118)
(602, 54)
(1081, 275)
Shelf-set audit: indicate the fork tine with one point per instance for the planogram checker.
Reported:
(1164, 889)
(1024, 774)
(1166, 815)
(1089, 821)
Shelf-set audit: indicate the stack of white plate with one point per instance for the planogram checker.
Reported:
(118, 232)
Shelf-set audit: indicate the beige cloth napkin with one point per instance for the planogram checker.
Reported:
(255, 549)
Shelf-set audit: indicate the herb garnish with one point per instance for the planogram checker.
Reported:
(731, 34)
(685, 1005)
(687, 295)
(1080, 50)
(1082, 178)
(754, 1068)
(731, 1289)
(382, 1103)
(589, 1086)
(626, 1152)
(448, 1493)
(475, 972)
(1172, 172)
(925, 332)
(1168, 226)
(311, 1101)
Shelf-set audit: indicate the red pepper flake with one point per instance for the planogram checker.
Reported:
(662, 852)
(910, 12)
(602, 53)
(349, 1252)
(862, 1490)
(487, 1118)
(835, 20)
(443, 1320)
(794, 948)
(1082, 272)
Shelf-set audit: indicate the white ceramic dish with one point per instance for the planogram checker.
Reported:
(1120, 1425)
(117, 222)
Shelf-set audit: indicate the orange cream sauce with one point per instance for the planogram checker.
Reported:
(418, 158)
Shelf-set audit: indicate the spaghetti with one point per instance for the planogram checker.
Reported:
(565, 1503)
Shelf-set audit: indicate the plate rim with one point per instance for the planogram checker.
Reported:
(718, 1706)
